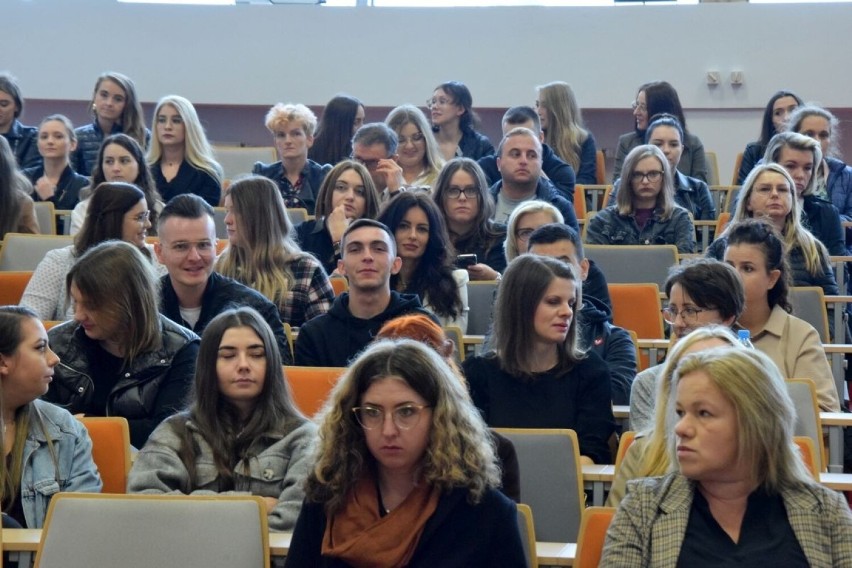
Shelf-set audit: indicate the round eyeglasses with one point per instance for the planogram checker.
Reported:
(404, 417)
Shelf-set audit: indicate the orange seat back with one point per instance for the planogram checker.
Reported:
(310, 386)
(580, 201)
(808, 452)
(593, 529)
(339, 285)
(12, 286)
(110, 450)
(623, 445)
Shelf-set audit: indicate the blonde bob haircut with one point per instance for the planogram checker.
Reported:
(795, 235)
(460, 451)
(534, 206)
(765, 413)
(655, 456)
(433, 161)
(282, 114)
(266, 248)
(665, 199)
(197, 150)
(132, 308)
(795, 141)
(564, 132)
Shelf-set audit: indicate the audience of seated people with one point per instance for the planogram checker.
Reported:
(298, 178)
(560, 174)
(180, 157)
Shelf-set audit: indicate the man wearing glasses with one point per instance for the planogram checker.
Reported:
(375, 146)
(519, 163)
(191, 294)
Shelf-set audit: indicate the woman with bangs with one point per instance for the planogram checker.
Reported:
(241, 433)
(55, 180)
(645, 212)
(405, 472)
(424, 246)
(347, 193)
(779, 108)
(536, 376)
(562, 125)
(120, 159)
(298, 178)
(115, 108)
(180, 157)
(119, 355)
(118, 211)
(757, 251)
(261, 252)
(462, 196)
(740, 493)
(417, 154)
(770, 193)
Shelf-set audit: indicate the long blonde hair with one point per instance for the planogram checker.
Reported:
(262, 259)
(656, 458)
(564, 132)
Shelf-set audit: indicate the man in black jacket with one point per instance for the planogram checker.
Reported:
(368, 260)
(191, 294)
(612, 343)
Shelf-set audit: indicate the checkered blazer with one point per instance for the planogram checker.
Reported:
(651, 522)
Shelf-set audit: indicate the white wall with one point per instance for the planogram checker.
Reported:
(254, 54)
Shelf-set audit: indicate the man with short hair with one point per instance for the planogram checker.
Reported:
(612, 343)
(375, 145)
(560, 174)
(368, 260)
(191, 293)
(519, 162)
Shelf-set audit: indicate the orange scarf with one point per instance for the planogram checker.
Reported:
(358, 535)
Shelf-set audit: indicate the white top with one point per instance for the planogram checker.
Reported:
(461, 276)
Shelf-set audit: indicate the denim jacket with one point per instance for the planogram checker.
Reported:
(72, 470)
(279, 469)
(609, 227)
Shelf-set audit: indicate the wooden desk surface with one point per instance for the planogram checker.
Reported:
(837, 481)
(598, 472)
(835, 418)
(21, 539)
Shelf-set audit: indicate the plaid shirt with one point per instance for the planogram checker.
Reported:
(650, 524)
(310, 295)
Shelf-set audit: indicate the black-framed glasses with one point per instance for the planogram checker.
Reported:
(652, 177)
(687, 314)
(404, 417)
(471, 192)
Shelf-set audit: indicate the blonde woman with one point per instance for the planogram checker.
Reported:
(180, 157)
(261, 252)
(645, 212)
(417, 154)
(562, 125)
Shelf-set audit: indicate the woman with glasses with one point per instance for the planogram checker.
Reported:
(117, 211)
(462, 196)
(701, 292)
(756, 250)
(770, 193)
(645, 212)
(120, 356)
(562, 126)
(405, 472)
(653, 99)
(666, 133)
(180, 157)
(241, 432)
(740, 493)
(417, 154)
(453, 121)
(347, 193)
(427, 257)
(779, 108)
(536, 376)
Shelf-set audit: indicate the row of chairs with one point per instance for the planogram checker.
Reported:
(590, 198)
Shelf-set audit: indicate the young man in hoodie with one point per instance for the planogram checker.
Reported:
(368, 259)
(611, 342)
